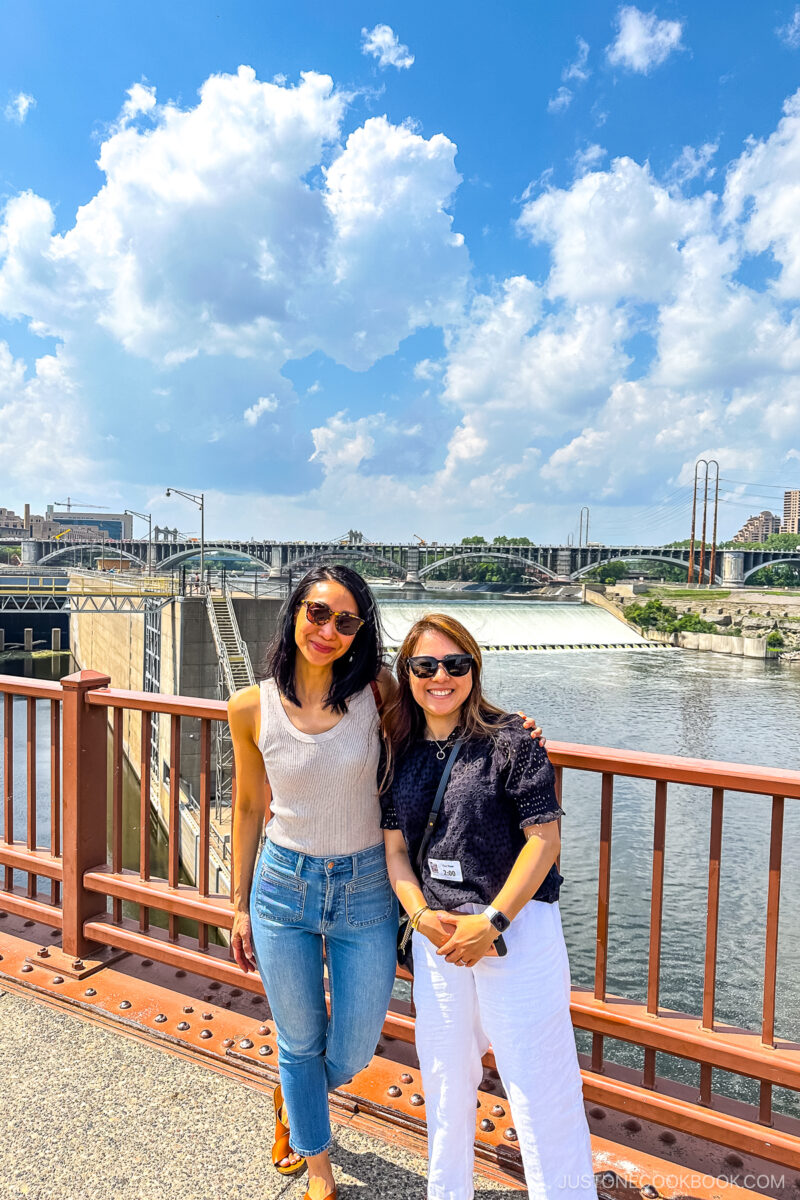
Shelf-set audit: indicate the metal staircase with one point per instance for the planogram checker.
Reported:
(234, 672)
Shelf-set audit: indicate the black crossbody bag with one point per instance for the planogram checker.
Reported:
(404, 955)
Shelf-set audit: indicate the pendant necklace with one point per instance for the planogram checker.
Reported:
(443, 747)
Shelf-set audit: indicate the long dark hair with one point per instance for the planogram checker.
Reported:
(404, 722)
(354, 670)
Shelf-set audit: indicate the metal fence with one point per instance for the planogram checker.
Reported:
(74, 881)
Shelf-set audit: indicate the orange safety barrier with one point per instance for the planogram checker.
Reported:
(83, 878)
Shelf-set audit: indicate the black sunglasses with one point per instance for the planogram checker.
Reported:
(425, 666)
(320, 613)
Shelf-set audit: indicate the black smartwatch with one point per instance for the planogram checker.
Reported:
(496, 918)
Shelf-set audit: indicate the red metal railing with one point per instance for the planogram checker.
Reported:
(96, 884)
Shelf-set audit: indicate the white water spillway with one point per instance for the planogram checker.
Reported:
(516, 624)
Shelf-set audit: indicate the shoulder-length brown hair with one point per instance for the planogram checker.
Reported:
(404, 720)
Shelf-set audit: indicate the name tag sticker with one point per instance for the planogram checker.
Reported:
(446, 868)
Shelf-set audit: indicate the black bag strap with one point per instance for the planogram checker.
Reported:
(437, 803)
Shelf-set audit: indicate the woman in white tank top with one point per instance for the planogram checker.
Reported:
(306, 744)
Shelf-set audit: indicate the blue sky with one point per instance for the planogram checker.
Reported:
(547, 263)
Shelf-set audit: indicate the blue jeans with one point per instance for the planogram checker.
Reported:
(297, 904)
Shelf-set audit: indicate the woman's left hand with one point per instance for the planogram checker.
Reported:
(471, 937)
(530, 723)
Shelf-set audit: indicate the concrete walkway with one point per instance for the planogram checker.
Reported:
(87, 1114)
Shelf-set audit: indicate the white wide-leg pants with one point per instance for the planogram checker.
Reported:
(519, 1004)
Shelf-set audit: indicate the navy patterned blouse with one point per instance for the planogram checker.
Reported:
(497, 787)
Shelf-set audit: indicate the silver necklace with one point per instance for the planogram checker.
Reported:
(443, 747)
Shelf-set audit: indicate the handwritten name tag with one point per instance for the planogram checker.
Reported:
(446, 868)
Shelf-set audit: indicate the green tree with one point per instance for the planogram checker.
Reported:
(657, 615)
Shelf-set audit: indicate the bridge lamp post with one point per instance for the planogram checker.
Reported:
(149, 518)
(200, 502)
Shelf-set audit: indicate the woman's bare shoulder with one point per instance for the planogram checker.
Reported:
(244, 707)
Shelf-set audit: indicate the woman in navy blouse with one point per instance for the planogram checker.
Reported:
(489, 869)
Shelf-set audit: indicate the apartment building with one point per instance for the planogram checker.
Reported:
(791, 512)
(758, 529)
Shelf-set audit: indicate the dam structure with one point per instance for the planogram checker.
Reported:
(517, 624)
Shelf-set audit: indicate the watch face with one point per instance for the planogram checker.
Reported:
(500, 922)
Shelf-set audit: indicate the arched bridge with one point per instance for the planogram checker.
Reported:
(406, 562)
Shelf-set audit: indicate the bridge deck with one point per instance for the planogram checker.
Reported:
(110, 1118)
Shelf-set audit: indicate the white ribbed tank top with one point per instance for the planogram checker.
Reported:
(324, 785)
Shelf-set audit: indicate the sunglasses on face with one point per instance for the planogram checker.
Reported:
(425, 666)
(320, 613)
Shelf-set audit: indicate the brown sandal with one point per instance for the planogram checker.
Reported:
(281, 1148)
(327, 1196)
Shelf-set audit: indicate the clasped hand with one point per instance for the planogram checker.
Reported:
(460, 938)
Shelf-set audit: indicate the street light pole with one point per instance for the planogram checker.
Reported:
(149, 518)
(201, 504)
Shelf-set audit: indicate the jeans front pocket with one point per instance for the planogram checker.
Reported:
(369, 900)
(279, 896)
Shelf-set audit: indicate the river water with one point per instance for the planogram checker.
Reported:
(674, 702)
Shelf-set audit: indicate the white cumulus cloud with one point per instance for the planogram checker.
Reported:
(18, 107)
(694, 161)
(263, 404)
(577, 69)
(643, 41)
(141, 99)
(561, 101)
(588, 158)
(344, 444)
(790, 32)
(763, 185)
(613, 234)
(207, 237)
(44, 428)
(426, 368)
(383, 43)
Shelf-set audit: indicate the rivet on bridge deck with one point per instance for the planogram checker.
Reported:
(72, 945)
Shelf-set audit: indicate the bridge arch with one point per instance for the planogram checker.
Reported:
(182, 556)
(791, 560)
(332, 553)
(467, 555)
(62, 555)
(592, 566)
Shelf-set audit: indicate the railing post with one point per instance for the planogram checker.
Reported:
(84, 829)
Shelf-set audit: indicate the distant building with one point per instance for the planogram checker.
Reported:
(29, 525)
(758, 529)
(114, 525)
(10, 524)
(791, 512)
(73, 526)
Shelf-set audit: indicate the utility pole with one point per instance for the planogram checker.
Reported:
(585, 509)
(701, 573)
(690, 575)
(706, 464)
(716, 513)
